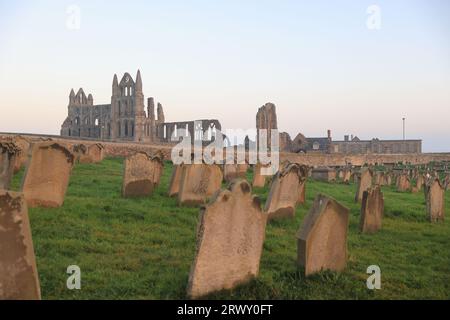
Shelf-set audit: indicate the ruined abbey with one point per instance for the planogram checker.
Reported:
(125, 118)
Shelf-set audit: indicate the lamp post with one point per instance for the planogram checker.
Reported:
(404, 135)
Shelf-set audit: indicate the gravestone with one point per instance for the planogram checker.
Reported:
(420, 180)
(230, 237)
(234, 171)
(18, 273)
(198, 183)
(372, 210)
(23, 145)
(175, 180)
(47, 174)
(435, 200)
(403, 183)
(347, 174)
(364, 183)
(8, 154)
(324, 174)
(142, 173)
(322, 239)
(259, 180)
(286, 191)
(388, 179)
(379, 178)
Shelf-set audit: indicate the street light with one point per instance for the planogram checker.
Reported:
(404, 135)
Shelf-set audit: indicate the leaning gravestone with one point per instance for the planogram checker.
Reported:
(286, 191)
(198, 183)
(8, 154)
(94, 154)
(230, 237)
(322, 239)
(18, 273)
(435, 199)
(259, 180)
(47, 174)
(364, 183)
(372, 210)
(403, 183)
(142, 173)
(234, 171)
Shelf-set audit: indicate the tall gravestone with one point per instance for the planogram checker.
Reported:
(435, 200)
(364, 183)
(322, 239)
(47, 174)
(286, 191)
(198, 183)
(372, 210)
(8, 154)
(142, 173)
(403, 183)
(18, 273)
(230, 237)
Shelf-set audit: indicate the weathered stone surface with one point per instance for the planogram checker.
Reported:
(322, 239)
(403, 183)
(198, 183)
(372, 210)
(8, 153)
(346, 176)
(234, 171)
(266, 118)
(286, 191)
(142, 173)
(47, 174)
(420, 181)
(259, 180)
(388, 179)
(285, 142)
(299, 144)
(435, 199)
(324, 174)
(18, 272)
(94, 154)
(175, 180)
(364, 183)
(378, 178)
(230, 237)
(22, 157)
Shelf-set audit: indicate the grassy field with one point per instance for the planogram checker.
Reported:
(143, 248)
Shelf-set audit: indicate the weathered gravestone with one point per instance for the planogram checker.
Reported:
(435, 199)
(8, 153)
(18, 273)
(259, 180)
(142, 173)
(403, 183)
(378, 178)
(322, 239)
(347, 174)
(286, 191)
(420, 180)
(372, 210)
(23, 145)
(388, 179)
(95, 154)
(174, 185)
(230, 237)
(364, 183)
(324, 174)
(47, 174)
(234, 171)
(198, 183)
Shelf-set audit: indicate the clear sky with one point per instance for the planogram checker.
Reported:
(316, 60)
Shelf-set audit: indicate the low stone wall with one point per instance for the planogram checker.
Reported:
(123, 149)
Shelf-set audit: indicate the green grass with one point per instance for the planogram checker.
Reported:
(143, 248)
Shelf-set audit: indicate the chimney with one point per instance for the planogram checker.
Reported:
(346, 138)
(329, 134)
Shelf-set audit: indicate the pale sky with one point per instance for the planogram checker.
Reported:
(316, 60)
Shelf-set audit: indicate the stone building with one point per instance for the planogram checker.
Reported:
(125, 118)
(354, 145)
